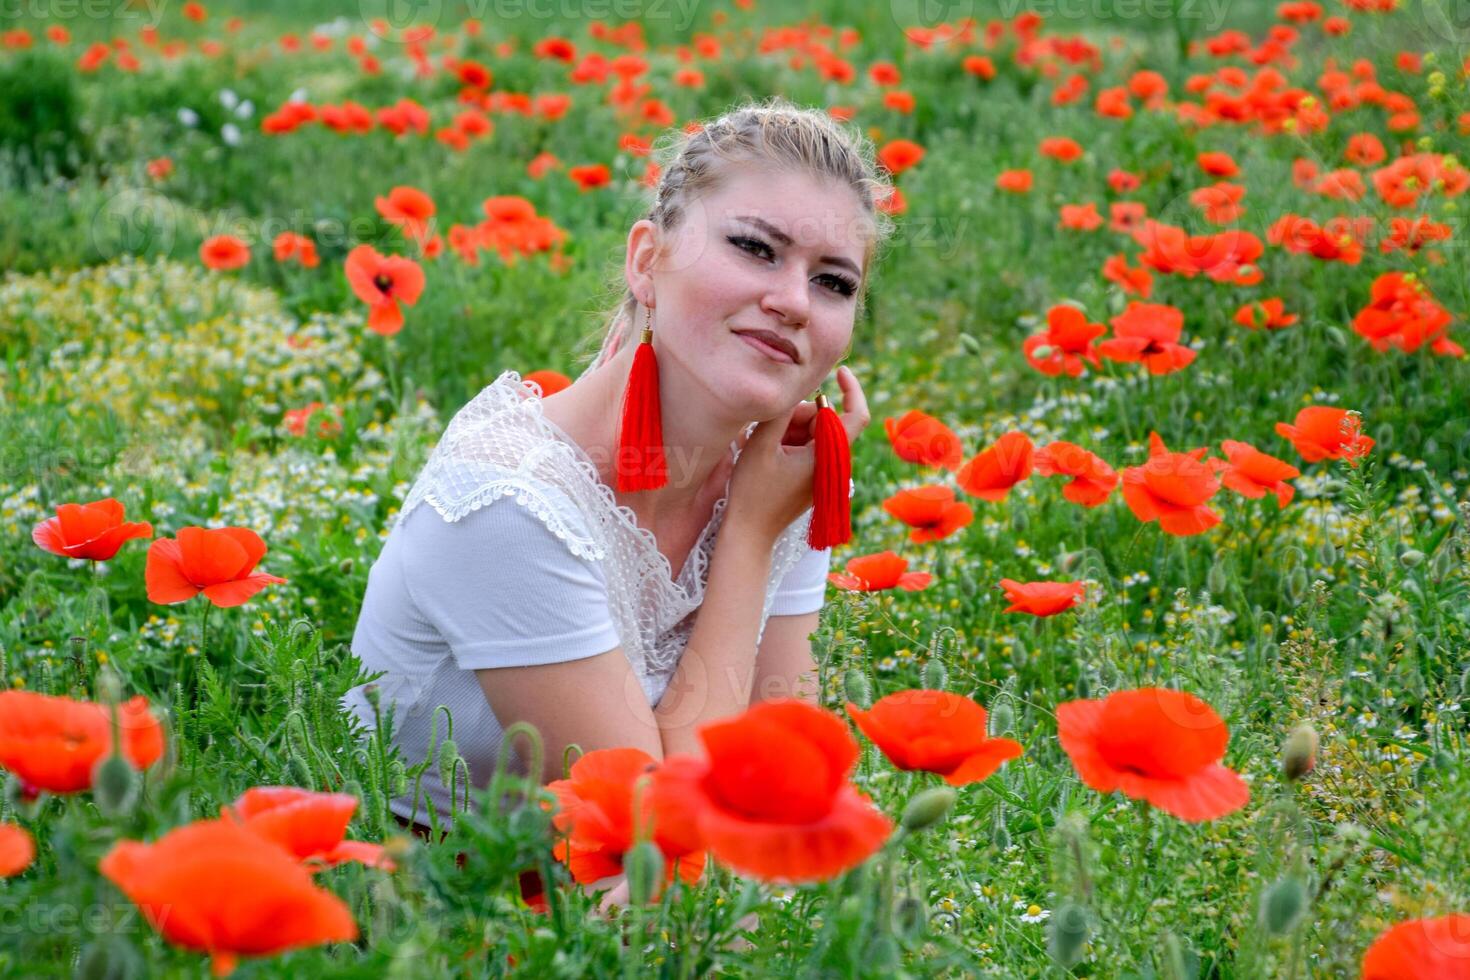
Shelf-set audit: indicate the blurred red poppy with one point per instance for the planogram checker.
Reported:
(1173, 489)
(876, 572)
(17, 849)
(409, 208)
(1041, 598)
(1321, 432)
(1137, 281)
(595, 808)
(1062, 148)
(1420, 949)
(931, 512)
(382, 282)
(1253, 474)
(309, 826)
(590, 176)
(550, 382)
(1068, 341)
(94, 531)
(1267, 313)
(1402, 313)
(992, 473)
(224, 252)
(934, 731)
(220, 562)
(54, 743)
(1217, 164)
(899, 155)
(921, 438)
(1154, 744)
(290, 245)
(1148, 332)
(771, 797)
(218, 888)
(1093, 479)
(1014, 181)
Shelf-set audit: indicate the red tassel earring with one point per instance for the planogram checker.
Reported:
(641, 464)
(831, 507)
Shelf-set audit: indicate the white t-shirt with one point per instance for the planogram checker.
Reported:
(498, 588)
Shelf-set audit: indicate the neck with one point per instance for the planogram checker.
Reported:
(696, 437)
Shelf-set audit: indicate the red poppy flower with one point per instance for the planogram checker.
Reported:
(1173, 489)
(921, 438)
(1154, 744)
(550, 382)
(1253, 474)
(1079, 217)
(992, 473)
(309, 826)
(1321, 432)
(409, 208)
(1268, 313)
(1220, 202)
(1123, 182)
(297, 418)
(17, 850)
(1217, 164)
(979, 66)
(1093, 479)
(1402, 313)
(382, 282)
(54, 743)
(932, 513)
(595, 807)
(1137, 281)
(216, 887)
(289, 245)
(899, 155)
(1041, 598)
(1420, 949)
(220, 562)
(874, 573)
(224, 252)
(1061, 148)
(771, 798)
(93, 531)
(1125, 216)
(1148, 332)
(894, 203)
(590, 176)
(934, 731)
(1015, 181)
(1067, 342)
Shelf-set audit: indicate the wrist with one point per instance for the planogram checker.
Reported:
(740, 524)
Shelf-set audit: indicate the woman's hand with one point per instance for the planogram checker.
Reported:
(772, 482)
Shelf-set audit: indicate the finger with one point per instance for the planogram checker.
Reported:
(854, 402)
(799, 430)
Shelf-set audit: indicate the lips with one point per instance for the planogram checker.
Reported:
(773, 340)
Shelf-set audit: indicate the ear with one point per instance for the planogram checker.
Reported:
(642, 255)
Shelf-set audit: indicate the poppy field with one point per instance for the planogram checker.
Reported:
(1147, 658)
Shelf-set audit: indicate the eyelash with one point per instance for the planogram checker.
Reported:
(844, 286)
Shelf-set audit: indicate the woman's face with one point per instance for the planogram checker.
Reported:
(773, 251)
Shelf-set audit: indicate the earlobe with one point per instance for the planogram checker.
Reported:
(641, 253)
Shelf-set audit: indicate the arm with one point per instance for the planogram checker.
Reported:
(784, 667)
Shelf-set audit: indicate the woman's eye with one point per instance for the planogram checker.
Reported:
(752, 245)
(839, 285)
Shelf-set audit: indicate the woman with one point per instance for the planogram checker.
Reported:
(608, 618)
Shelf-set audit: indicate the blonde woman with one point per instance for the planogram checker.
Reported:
(531, 590)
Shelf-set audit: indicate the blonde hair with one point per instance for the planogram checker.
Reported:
(775, 134)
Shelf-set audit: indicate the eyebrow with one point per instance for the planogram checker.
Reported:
(786, 239)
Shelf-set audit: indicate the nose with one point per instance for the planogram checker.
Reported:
(787, 296)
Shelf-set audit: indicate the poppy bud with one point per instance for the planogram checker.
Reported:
(1440, 566)
(1411, 558)
(1327, 552)
(882, 953)
(1002, 719)
(934, 677)
(1000, 837)
(448, 758)
(858, 690)
(114, 785)
(1283, 904)
(1066, 933)
(345, 567)
(1217, 581)
(928, 808)
(398, 777)
(970, 344)
(373, 695)
(298, 771)
(1297, 585)
(109, 957)
(644, 866)
(109, 688)
(1084, 685)
(1299, 752)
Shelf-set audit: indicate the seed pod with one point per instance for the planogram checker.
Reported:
(858, 690)
(934, 677)
(1283, 905)
(1299, 752)
(1066, 933)
(928, 807)
(114, 785)
(644, 865)
(1002, 718)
